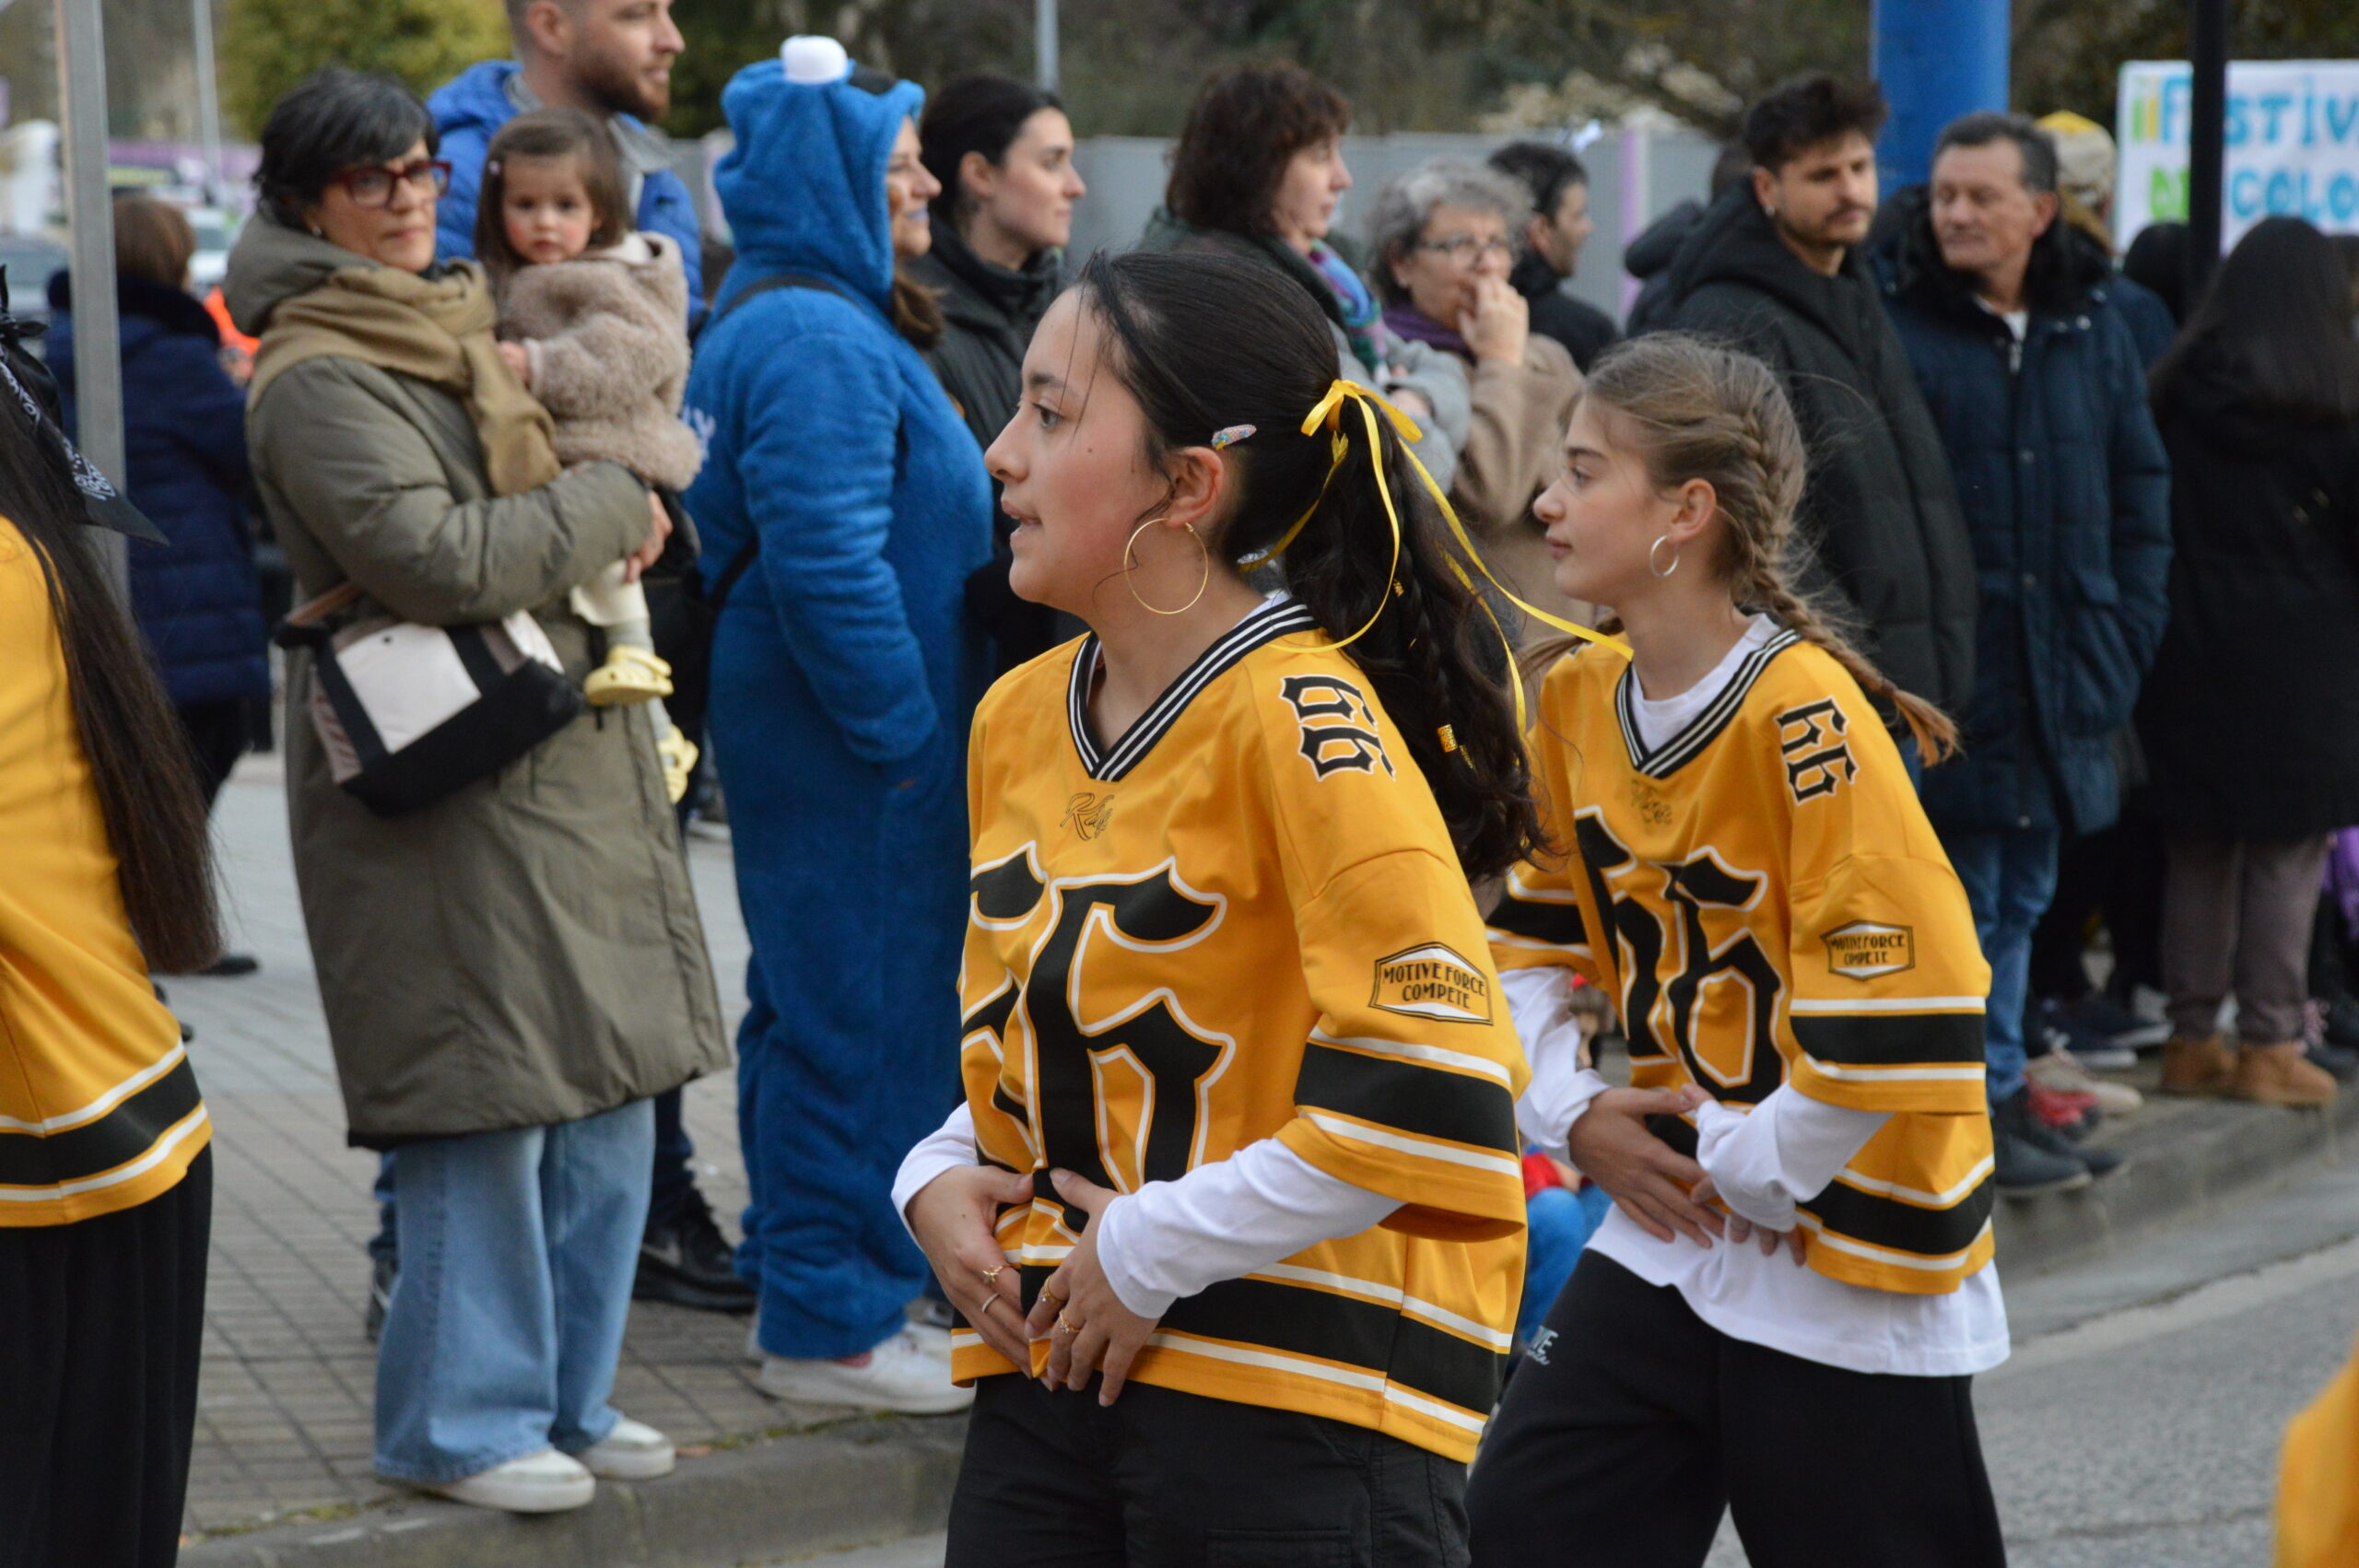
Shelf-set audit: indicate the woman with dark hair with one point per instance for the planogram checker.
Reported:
(197, 599)
(106, 1169)
(1003, 152)
(2250, 718)
(510, 972)
(1240, 1125)
(1445, 237)
(844, 508)
(2157, 261)
(1258, 172)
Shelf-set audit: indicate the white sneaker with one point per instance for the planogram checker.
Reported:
(2063, 1072)
(753, 1351)
(545, 1482)
(633, 1451)
(899, 1374)
(934, 1342)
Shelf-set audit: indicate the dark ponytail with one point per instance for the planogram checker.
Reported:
(139, 762)
(1205, 340)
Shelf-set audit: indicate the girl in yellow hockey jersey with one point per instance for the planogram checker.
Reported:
(1782, 1313)
(1239, 1128)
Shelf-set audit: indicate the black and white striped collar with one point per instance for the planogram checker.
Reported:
(1700, 731)
(1275, 618)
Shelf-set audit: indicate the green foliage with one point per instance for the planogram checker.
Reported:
(2067, 55)
(269, 45)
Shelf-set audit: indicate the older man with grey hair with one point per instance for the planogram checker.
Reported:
(2039, 395)
(1444, 237)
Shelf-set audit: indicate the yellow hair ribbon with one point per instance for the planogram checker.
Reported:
(1328, 413)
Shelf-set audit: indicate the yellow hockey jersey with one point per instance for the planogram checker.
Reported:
(1244, 919)
(1764, 900)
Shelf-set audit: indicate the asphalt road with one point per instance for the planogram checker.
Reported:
(2137, 1423)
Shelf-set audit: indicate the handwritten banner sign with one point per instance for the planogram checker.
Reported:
(2293, 145)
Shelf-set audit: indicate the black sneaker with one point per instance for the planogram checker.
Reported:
(2100, 1015)
(2028, 1163)
(233, 965)
(381, 1294)
(688, 1263)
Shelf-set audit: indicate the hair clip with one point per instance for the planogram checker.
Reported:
(1449, 739)
(1231, 435)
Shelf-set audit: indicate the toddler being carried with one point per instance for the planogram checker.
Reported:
(593, 316)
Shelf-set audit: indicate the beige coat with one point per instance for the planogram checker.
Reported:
(526, 951)
(608, 338)
(1512, 452)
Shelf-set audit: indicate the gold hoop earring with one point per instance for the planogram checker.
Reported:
(1654, 548)
(1201, 583)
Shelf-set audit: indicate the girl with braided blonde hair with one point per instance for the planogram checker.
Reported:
(1802, 1169)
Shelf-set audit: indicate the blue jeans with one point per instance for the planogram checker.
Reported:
(1558, 1223)
(672, 1179)
(2010, 877)
(517, 1252)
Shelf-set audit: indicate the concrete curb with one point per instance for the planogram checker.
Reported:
(853, 1485)
(2202, 1157)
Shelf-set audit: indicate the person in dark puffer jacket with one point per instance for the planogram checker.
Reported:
(197, 600)
(1002, 150)
(2040, 394)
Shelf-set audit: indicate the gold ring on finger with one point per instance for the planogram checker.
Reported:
(989, 1301)
(1065, 1327)
(991, 1274)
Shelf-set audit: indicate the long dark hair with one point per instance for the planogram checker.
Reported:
(2274, 326)
(1206, 341)
(551, 135)
(979, 114)
(139, 762)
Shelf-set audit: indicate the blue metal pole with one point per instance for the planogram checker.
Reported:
(1937, 59)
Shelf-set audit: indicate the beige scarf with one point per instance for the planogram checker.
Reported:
(436, 330)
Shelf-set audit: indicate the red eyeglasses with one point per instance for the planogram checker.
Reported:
(371, 185)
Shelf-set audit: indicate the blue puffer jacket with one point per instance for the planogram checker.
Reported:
(844, 676)
(197, 599)
(470, 109)
(2066, 493)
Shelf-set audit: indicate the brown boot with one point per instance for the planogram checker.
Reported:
(2281, 1075)
(2197, 1065)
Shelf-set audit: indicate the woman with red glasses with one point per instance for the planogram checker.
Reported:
(512, 971)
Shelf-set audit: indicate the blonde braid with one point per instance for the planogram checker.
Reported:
(1700, 410)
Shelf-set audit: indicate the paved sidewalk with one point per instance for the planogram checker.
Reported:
(283, 1421)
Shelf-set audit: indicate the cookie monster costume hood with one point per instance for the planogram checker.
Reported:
(845, 673)
(813, 137)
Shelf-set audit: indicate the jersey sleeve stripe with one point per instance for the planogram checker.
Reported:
(1927, 1004)
(1442, 1317)
(1886, 1040)
(1422, 1148)
(1882, 1222)
(1845, 1074)
(116, 1131)
(1303, 1321)
(1553, 922)
(1958, 1190)
(1467, 1420)
(1415, 1051)
(1422, 1102)
(1950, 1263)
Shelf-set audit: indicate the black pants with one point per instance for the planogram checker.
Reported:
(1625, 1433)
(1166, 1480)
(102, 1323)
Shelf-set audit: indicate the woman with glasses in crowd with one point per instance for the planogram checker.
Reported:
(512, 971)
(1443, 240)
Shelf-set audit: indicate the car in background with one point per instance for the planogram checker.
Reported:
(216, 230)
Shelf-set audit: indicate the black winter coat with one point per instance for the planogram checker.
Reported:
(1584, 330)
(2250, 718)
(2066, 496)
(197, 600)
(1649, 258)
(1880, 513)
(989, 314)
